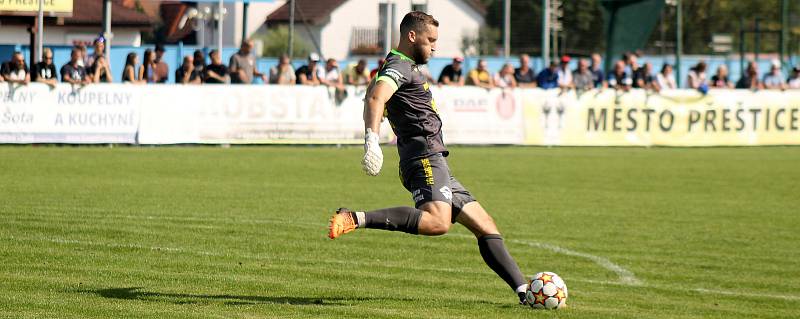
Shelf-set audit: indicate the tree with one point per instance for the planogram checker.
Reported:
(276, 42)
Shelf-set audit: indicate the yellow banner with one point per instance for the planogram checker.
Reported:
(671, 118)
(29, 7)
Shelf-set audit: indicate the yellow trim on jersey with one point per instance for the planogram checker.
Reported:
(388, 80)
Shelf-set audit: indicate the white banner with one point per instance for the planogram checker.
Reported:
(472, 115)
(92, 114)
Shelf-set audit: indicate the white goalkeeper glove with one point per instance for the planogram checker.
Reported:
(373, 156)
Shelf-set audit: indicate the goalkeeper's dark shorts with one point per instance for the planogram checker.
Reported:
(429, 179)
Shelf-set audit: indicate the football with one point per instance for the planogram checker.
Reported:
(546, 290)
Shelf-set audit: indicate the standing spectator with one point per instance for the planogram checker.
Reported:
(307, 74)
(452, 74)
(548, 78)
(375, 71)
(794, 79)
(505, 78)
(243, 65)
(283, 73)
(646, 79)
(147, 71)
(597, 71)
(199, 63)
(720, 79)
(619, 79)
(697, 76)
(97, 67)
(749, 79)
(72, 72)
(583, 77)
(162, 68)
(665, 79)
(16, 71)
(774, 80)
(524, 75)
(564, 73)
(332, 75)
(45, 72)
(357, 74)
(480, 76)
(216, 72)
(187, 74)
(129, 72)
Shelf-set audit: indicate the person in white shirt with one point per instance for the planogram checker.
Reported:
(697, 76)
(505, 78)
(564, 73)
(665, 78)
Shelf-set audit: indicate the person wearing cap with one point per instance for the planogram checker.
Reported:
(548, 78)
(98, 67)
(565, 74)
(162, 68)
(307, 74)
(524, 75)
(774, 80)
(452, 73)
(480, 76)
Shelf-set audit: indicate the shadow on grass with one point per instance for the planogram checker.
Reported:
(137, 293)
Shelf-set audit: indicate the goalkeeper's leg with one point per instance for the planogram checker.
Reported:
(431, 219)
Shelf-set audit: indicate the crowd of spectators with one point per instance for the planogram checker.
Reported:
(625, 73)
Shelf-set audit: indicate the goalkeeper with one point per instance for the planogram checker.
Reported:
(401, 93)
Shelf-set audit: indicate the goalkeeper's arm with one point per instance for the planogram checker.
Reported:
(377, 95)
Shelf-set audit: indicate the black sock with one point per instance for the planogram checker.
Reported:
(496, 255)
(404, 219)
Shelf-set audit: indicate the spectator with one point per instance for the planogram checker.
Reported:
(332, 75)
(636, 71)
(243, 65)
(129, 72)
(307, 74)
(697, 76)
(647, 79)
(524, 74)
(564, 73)
(749, 79)
(452, 74)
(480, 76)
(45, 72)
(216, 72)
(665, 79)
(97, 67)
(283, 73)
(162, 68)
(548, 78)
(147, 71)
(16, 70)
(375, 71)
(505, 78)
(72, 72)
(84, 61)
(794, 80)
(774, 80)
(720, 79)
(199, 63)
(597, 71)
(187, 74)
(583, 78)
(357, 74)
(619, 79)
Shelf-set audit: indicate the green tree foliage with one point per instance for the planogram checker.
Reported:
(276, 42)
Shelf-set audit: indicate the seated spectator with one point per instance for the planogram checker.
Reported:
(583, 78)
(505, 78)
(619, 79)
(243, 66)
(597, 71)
(16, 70)
(129, 72)
(452, 73)
(332, 75)
(665, 79)
(84, 61)
(45, 72)
(749, 79)
(794, 79)
(187, 74)
(147, 71)
(774, 80)
(97, 67)
(200, 63)
(524, 75)
(646, 79)
(72, 72)
(283, 73)
(480, 76)
(357, 74)
(564, 73)
(548, 78)
(162, 68)
(307, 74)
(720, 79)
(697, 76)
(216, 72)
(375, 71)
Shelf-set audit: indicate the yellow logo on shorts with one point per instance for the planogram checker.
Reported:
(426, 167)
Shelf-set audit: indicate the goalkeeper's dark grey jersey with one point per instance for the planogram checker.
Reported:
(411, 110)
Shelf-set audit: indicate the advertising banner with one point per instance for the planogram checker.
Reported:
(472, 115)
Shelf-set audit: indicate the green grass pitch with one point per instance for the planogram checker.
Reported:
(208, 232)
